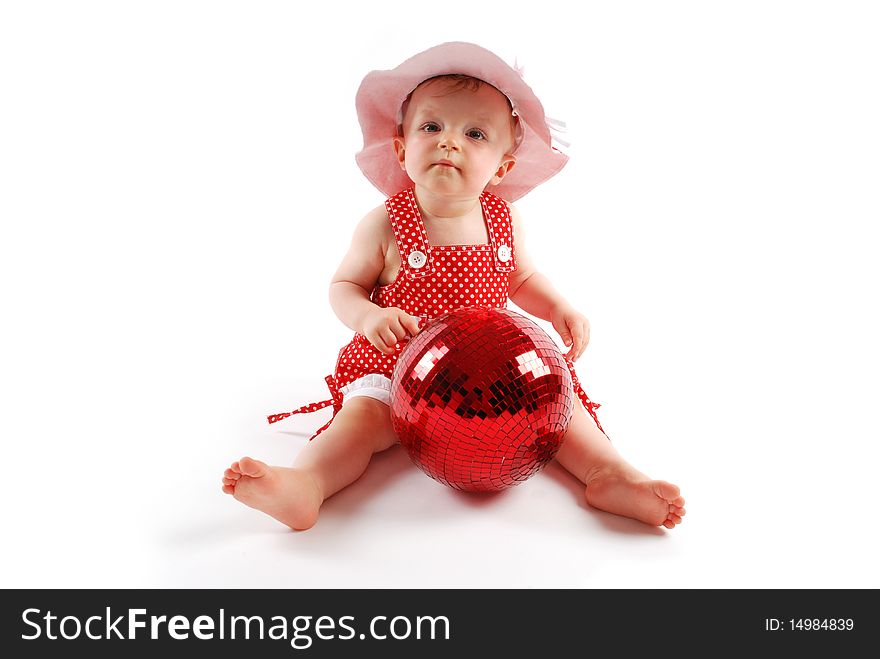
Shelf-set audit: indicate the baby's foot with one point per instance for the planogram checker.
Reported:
(289, 495)
(634, 495)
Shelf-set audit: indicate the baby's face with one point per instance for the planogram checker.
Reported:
(456, 142)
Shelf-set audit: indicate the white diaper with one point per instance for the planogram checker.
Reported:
(374, 385)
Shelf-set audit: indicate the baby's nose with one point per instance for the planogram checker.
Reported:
(447, 142)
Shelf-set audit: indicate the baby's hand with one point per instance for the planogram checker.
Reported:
(386, 326)
(573, 327)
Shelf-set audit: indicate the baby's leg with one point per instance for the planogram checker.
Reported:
(612, 483)
(333, 460)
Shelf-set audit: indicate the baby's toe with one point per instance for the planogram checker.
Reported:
(233, 475)
(667, 491)
(252, 468)
(228, 489)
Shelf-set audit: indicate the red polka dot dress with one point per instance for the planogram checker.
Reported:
(432, 281)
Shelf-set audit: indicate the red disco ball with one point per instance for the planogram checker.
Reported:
(481, 399)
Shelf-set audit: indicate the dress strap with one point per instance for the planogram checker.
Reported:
(410, 234)
(579, 390)
(500, 227)
(335, 400)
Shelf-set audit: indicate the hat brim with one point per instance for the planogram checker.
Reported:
(382, 93)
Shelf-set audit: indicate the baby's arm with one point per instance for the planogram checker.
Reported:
(533, 293)
(355, 279)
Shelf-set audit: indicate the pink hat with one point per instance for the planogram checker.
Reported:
(382, 94)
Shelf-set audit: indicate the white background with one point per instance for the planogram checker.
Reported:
(177, 186)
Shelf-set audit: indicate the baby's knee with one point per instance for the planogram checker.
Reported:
(371, 420)
(369, 409)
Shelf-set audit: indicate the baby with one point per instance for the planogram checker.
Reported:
(451, 136)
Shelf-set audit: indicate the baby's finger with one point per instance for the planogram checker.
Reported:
(411, 323)
(581, 338)
(577, 332)
(375, 341)
(399, 330)
(586, 337)
(565, 335)
(388, 338)
(584, 346)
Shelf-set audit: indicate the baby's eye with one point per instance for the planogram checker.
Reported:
(430, 127)
(475, 134)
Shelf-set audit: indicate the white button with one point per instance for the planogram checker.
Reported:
(504, 253)
(417, 259)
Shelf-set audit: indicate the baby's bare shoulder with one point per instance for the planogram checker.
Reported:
(516, 220)
(374, 227)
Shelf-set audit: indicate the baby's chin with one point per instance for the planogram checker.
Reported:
(451, 183)
(452, 191)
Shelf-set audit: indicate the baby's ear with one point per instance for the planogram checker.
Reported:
(508, 162)
(400, 152)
